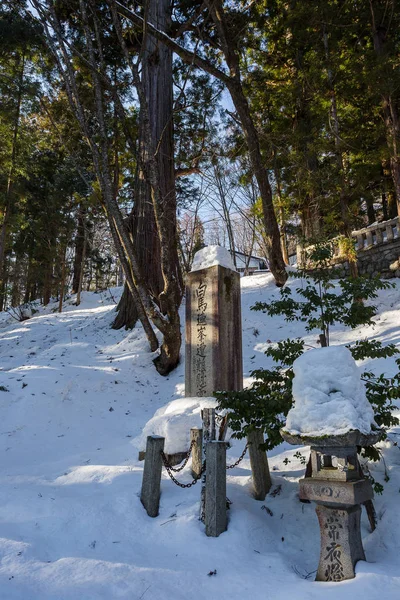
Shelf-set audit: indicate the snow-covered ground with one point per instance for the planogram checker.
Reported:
(71, 522)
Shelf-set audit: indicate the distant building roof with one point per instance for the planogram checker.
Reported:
(247, 255)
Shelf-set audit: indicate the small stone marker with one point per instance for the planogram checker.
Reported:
(259, 465)
(215, 513)
(213, 331)
(196, 437)
(151, 484)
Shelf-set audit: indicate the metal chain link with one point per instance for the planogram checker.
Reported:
(239, 460)
(182, 485)
(185, 461)
(171, 469)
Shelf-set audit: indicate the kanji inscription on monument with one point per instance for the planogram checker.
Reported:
(202, 357)
(213, 331)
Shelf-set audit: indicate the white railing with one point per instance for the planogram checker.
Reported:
(376, 234)
(366, 238)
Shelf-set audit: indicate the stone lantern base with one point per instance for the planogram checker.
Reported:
(339, 513)
(341, 544)
(338, 487)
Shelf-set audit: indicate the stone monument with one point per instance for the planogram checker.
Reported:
(213, 324)
(332, 415)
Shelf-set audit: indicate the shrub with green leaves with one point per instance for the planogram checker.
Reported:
(321, 304)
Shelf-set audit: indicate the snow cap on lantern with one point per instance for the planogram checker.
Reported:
(329, 396)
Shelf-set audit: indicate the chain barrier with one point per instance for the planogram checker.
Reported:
(185, 460)
(239, 460)
(171, 470)
(170, 473)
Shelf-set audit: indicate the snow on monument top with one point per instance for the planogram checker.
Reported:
(209, 256)
(173, 422)
(329, 396)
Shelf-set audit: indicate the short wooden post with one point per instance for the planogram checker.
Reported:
(215, 513)
(208, 416)
(196, 438)
(259, 465)
(150, 494)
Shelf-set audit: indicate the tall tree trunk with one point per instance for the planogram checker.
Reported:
(346, 226)
(272, 238)
(10, 179)
(310, 218)
(370, 210)
(82, 267)
(47, 282)
(281, 212)
(157, 83)
(389, 107)
(343, 194)
(80, 242)
(234, 85)
(127, 314)
(63, 278)
(225, 210)
(29, 279)
(388, 195)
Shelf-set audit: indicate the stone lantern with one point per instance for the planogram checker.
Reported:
(332, 415)
(338, 487)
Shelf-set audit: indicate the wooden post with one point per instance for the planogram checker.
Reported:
(196, 436)
(259, 465)
(150, 494)
(215, 509)
(208, 416)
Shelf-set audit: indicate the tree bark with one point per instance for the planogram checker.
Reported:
(272, 239)
(346, 225)
(234, 85)
(281, 213)
(79, 246)
(225, 210)
(10, 179)
(157, 83)
(82, 266)
(389, 107)
(63, 278)
(370, 210)
(127, 314)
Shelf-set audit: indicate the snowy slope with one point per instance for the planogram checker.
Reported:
(71, 523)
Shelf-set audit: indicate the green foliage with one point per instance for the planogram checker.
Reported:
(323, 303)
(265, 404)
(267, 401)
(382, 392)
(371, 349)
